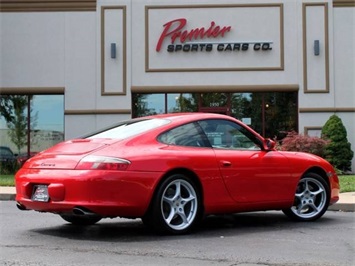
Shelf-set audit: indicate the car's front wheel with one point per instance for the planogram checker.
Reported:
(176, 207)
(80, 219)
(311, 198)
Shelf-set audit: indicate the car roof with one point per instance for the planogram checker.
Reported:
(5, 147)
(174, 118)
(188, 116)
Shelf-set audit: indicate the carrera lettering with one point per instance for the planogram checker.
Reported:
(174, 30)
(47, 164)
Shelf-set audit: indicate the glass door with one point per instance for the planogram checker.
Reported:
(214, 102)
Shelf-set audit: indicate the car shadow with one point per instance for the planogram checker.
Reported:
(124, 230)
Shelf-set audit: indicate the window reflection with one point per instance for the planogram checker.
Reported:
(271, 114)
(161, 103)
(182, 102)
(173, 102)
(30, 124)
(214, 99)
(241, 107)
(47, 130)
(148, 104)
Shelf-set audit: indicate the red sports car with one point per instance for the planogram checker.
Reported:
(171, 170)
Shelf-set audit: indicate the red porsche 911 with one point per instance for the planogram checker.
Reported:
(171, 170)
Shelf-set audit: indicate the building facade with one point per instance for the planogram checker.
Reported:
(277, 65)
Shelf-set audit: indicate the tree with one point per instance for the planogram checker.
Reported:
(241, 105)
(186, 103)
(6, 107)
(338, 152)
(18, 124)
(140, 105)
(13, 109)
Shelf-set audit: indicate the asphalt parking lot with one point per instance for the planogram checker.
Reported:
(30, 238)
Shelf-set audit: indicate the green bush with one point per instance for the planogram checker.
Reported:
(338, 151)
(7, 168)
(296, 142)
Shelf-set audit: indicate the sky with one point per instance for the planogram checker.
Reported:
(50, 111)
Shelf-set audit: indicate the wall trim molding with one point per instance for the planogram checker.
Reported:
(307, 129)
(31, 90)
(326, 47)
(47, 5)
(343, 3)
(98, 112)
(328, 110)
(216, 88)
(124, 49)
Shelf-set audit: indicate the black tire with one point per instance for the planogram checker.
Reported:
(311, 198)
(176, 206)
(80, 219)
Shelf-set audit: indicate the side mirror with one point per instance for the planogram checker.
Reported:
(269, 145)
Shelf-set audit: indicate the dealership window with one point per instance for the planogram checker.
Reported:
(31, 123)
(162, 103)
(271, 114)
(182, 102)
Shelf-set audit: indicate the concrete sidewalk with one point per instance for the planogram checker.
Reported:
(346, 202)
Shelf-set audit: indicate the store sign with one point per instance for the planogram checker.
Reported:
(175, 30)
(245, 37)
(183, 39)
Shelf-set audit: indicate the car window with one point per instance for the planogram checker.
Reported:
(4, 151)
(224, 134)
(185, 135)
(129, 129)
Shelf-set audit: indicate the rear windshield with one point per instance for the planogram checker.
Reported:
(129, 128)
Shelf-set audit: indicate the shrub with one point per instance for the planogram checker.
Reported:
(338, 152)
(7, 168)
(296, 142)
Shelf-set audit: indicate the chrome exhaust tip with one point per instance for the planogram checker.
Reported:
(21, 207)
(83, 212)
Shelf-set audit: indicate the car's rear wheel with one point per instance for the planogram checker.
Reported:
(176, 207)
(311, 198)
(80, 219)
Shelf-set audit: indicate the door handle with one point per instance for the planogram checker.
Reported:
(225, 163)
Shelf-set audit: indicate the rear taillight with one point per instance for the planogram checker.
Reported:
(92, 162)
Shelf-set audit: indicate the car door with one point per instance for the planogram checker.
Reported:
(250, 174)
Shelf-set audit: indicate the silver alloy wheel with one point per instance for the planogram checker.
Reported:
(179, 204)
(310, 198)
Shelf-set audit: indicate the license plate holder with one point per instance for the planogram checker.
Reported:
(40, 193)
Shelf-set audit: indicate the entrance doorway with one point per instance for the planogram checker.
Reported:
(214, 102)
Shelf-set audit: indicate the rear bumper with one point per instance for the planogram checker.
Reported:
(335, 189)
(106, 193)
(334, 200)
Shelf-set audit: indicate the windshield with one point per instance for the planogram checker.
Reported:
(129, 128)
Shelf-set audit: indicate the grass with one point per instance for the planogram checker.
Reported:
(7, 180)
(347, 182)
